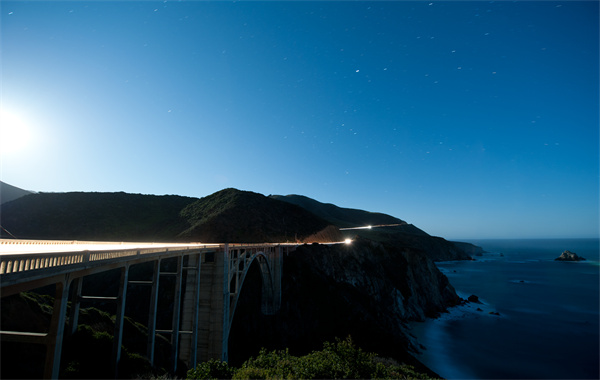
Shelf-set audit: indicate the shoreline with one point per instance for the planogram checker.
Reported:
(431, 339)
(547, 324)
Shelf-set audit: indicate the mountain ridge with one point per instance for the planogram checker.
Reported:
(229, 215)
(9, 192)
(232, 215)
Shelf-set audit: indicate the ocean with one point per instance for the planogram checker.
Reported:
(548, 322)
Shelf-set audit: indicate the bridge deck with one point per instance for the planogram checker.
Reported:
(14, 246)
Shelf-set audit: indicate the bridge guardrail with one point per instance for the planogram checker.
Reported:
(22, 262)
(12, 261)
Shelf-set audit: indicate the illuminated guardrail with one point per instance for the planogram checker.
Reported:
(25, 255)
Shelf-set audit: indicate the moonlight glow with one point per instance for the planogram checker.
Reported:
(14, 133)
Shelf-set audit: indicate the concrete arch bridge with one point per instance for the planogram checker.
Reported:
(208, 282)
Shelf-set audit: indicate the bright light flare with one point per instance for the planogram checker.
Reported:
(369, 227)
(348, 241)
(14, 133)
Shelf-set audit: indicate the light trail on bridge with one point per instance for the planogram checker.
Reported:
(20, 246)
(23, 246)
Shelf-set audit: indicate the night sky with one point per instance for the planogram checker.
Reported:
(468, 119)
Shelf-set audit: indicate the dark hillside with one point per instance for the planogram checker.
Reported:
(95, 216)
(404, 235)
(229, 215)
(10, 192)
(341, 217)
(232, 215)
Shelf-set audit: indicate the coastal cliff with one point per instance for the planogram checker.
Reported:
(367, 289)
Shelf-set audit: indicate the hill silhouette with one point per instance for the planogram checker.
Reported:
(232, 215)
(227, 216)
(349, 217)
(95, 216)
(399, 233)
(10, 192)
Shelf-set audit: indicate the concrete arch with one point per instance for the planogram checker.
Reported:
(268, 287)
(240, 259)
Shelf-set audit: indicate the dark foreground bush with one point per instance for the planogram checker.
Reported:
(212, 369)
(339, 360)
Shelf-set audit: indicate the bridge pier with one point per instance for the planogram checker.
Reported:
(190, 311)
(119, 316)
(54, 339)
(211, 307)
(152, 311)
(77, 283)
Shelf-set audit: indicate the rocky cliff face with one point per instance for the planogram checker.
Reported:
(405, 280)
(368, 290)
(468, 248)
(436, 248)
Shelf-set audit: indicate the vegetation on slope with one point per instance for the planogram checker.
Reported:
(399, 233)
(229, 215)
(232, 215)
(95, 216)
(341, 217)
(86, 354)
(339, 360)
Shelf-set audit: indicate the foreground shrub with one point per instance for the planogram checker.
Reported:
(269, 365)
(212, 369)
(339, 360)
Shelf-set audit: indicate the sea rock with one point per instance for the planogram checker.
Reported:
(473, 298)
(569, 256)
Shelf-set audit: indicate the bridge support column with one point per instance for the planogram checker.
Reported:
(57, 327)
(75, 305)
(211, 306)
(119, 316)
(190, 311)
(226, 305)
(276, 270)
(176, 313)
(152, 311)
